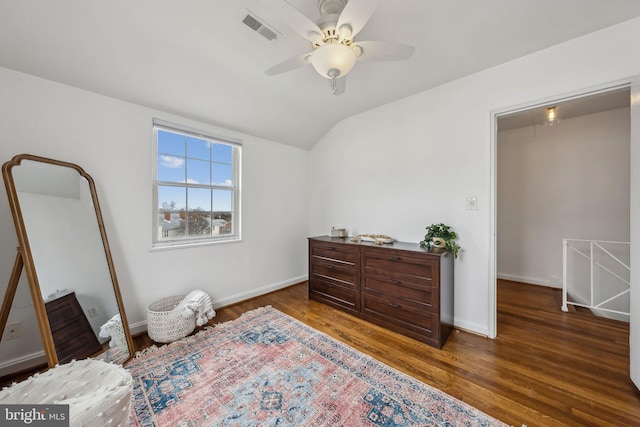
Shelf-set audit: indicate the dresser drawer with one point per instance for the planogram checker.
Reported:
(398, 263)
(77, 346)
(418, 291)
(345, 275)
(336, 252)
(64, 315)
(334, 294)
(401, 316)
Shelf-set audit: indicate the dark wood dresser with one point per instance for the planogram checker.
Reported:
(72, 333)
(400, 286)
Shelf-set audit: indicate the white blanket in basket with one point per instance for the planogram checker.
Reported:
(198, 303)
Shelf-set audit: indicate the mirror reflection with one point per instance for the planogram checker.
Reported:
(64, 236)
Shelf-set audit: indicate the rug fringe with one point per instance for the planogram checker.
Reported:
(146, 351)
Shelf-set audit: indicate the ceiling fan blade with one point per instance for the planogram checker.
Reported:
(356, 14)
(297, 21)
(340, 85)
(383, 51)
(291, 64)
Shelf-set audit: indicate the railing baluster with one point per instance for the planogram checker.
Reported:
(591, 268)
(565, 245)
(593, 264)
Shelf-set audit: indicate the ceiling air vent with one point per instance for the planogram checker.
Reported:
(254, 23)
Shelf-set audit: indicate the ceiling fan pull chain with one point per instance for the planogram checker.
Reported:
(333, 74)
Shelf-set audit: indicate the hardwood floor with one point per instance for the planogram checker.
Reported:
(546, 367)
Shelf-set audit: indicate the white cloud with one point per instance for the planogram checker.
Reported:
(171, 162)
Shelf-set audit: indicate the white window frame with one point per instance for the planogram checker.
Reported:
(235, 235)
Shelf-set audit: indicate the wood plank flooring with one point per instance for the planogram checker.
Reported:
(546, 368)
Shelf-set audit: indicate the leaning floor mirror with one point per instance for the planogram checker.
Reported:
(65, 255)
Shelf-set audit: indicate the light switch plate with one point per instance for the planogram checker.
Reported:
(471, 204)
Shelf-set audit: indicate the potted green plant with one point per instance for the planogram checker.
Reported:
(441, 236)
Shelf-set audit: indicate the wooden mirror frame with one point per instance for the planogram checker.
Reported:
(24, 258)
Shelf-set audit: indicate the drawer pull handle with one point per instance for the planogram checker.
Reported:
(331, 248)
(330, 267)
(330, 285)
(393, 305)
(393, 258)
(394, 282)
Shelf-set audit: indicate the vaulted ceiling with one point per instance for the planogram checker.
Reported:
(197, 59)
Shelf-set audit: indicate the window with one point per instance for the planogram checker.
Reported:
(196, 186)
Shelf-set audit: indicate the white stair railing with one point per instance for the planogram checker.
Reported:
(596, 276)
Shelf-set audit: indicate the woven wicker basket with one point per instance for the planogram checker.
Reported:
(164, 324)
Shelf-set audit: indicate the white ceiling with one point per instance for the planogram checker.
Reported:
(196, 59)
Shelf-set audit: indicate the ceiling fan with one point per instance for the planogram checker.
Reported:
(334, 50)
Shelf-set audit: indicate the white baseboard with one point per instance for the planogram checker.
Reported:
(257, 292)
(525, 279)
(138, 327)
(473, 328)
(22, 363)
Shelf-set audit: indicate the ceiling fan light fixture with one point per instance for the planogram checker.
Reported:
(331, 58)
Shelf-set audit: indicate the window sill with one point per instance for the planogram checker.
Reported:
(185, 245)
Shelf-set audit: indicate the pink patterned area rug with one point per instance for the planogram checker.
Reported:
(269, 369)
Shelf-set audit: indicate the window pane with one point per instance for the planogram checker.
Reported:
(171, 168)
(171, 212)
(222, 153)
(199, 199)
(198, 148)
(222, 200)
(172, 198)
(171, 143)
(198, 172)
(199, 212)
(222, 174)
(222, 223)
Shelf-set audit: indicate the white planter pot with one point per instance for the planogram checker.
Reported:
(437, 242)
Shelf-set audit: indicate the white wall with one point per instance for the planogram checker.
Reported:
(403, 166)
(112, 141)
(571, 181)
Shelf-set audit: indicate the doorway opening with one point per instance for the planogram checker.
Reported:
(554, 179)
